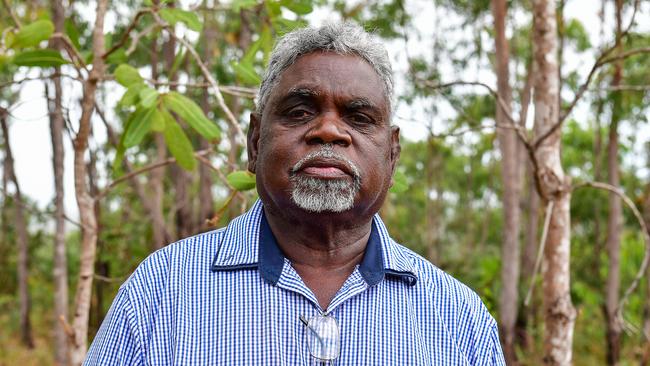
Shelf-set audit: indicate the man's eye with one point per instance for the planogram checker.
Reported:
(360, 118)
(298, 113)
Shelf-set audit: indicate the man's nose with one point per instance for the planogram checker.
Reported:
(329, 128)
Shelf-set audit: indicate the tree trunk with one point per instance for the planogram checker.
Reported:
(598, 155)
(160, 235)
(60, 271)
(181, 179)
(645, 360)
(97, 316)
(615, 215)
(431, 208)
(529, 256)
(530, 203)
(22, 240)
(510, 176)
(206, 198)
(155, 213)
(85, 201)
(559, 313)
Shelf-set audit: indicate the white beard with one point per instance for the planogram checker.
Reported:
(320, 195)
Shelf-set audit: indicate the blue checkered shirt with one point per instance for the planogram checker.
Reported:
(230, 297)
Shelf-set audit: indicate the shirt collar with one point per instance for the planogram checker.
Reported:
(249, 243)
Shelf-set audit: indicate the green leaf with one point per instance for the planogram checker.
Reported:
(238, 5)
(121, 149)
(249, 56)
(9, 38)
(148, 97)
(266, 39)
(400, 184)
(32, 34)
(300, 7)
(117, 57)
(177, 62)
(157, 121)
(575, 31)
(283, 25)
(190, 112)
(173, 16)
(131, 95)
(87, 56)
(177, 142)
(246, 72)
(127, 75)
(72, 32)
(4, 59)
(241, 180)
(273, 8)
(108, 40)
(139, 126)
(42, 58)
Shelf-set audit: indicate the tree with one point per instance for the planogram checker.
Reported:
(615, 214)
(57, 125)
(555, 189)
(511, 176)
(22, 239)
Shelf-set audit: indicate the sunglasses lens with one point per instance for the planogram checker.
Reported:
(323, 338)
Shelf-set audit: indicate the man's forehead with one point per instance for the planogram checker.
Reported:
(319, 72)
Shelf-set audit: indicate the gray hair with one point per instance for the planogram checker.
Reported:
(344, 38)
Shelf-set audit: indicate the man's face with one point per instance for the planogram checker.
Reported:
(324, 142)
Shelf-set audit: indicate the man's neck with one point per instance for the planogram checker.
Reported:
(323, 251)
(319, 242)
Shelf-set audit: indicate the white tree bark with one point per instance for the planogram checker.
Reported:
(615, 214)
(60, 271)
(85, 201)
(511, 178)
(559, 313)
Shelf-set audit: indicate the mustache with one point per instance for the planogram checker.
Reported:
(327, 152)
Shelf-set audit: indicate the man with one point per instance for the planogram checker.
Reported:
(309, 275)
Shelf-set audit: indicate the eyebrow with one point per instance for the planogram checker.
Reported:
(360, 103)
(301, 92)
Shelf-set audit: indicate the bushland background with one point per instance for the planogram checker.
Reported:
(525, 169)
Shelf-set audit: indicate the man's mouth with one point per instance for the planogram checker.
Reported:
(324, 172)
(326, 164)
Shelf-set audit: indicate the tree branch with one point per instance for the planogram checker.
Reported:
(603, 59)
(467, 130)
(623, 88)
(222, 177)
(13, 15)
(144, 169)
(521, 130)
(39, 212)
(109, 279)
(646, 238)
(235, 90)
(72, 52)
(230, 118)
(540, 251)
(43, 77)
(125, 36)
(137, 36)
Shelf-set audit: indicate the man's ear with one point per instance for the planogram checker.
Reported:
(395, 150)
(253, 140)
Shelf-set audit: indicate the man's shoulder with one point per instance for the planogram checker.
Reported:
(196, 251)
(442, 288)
